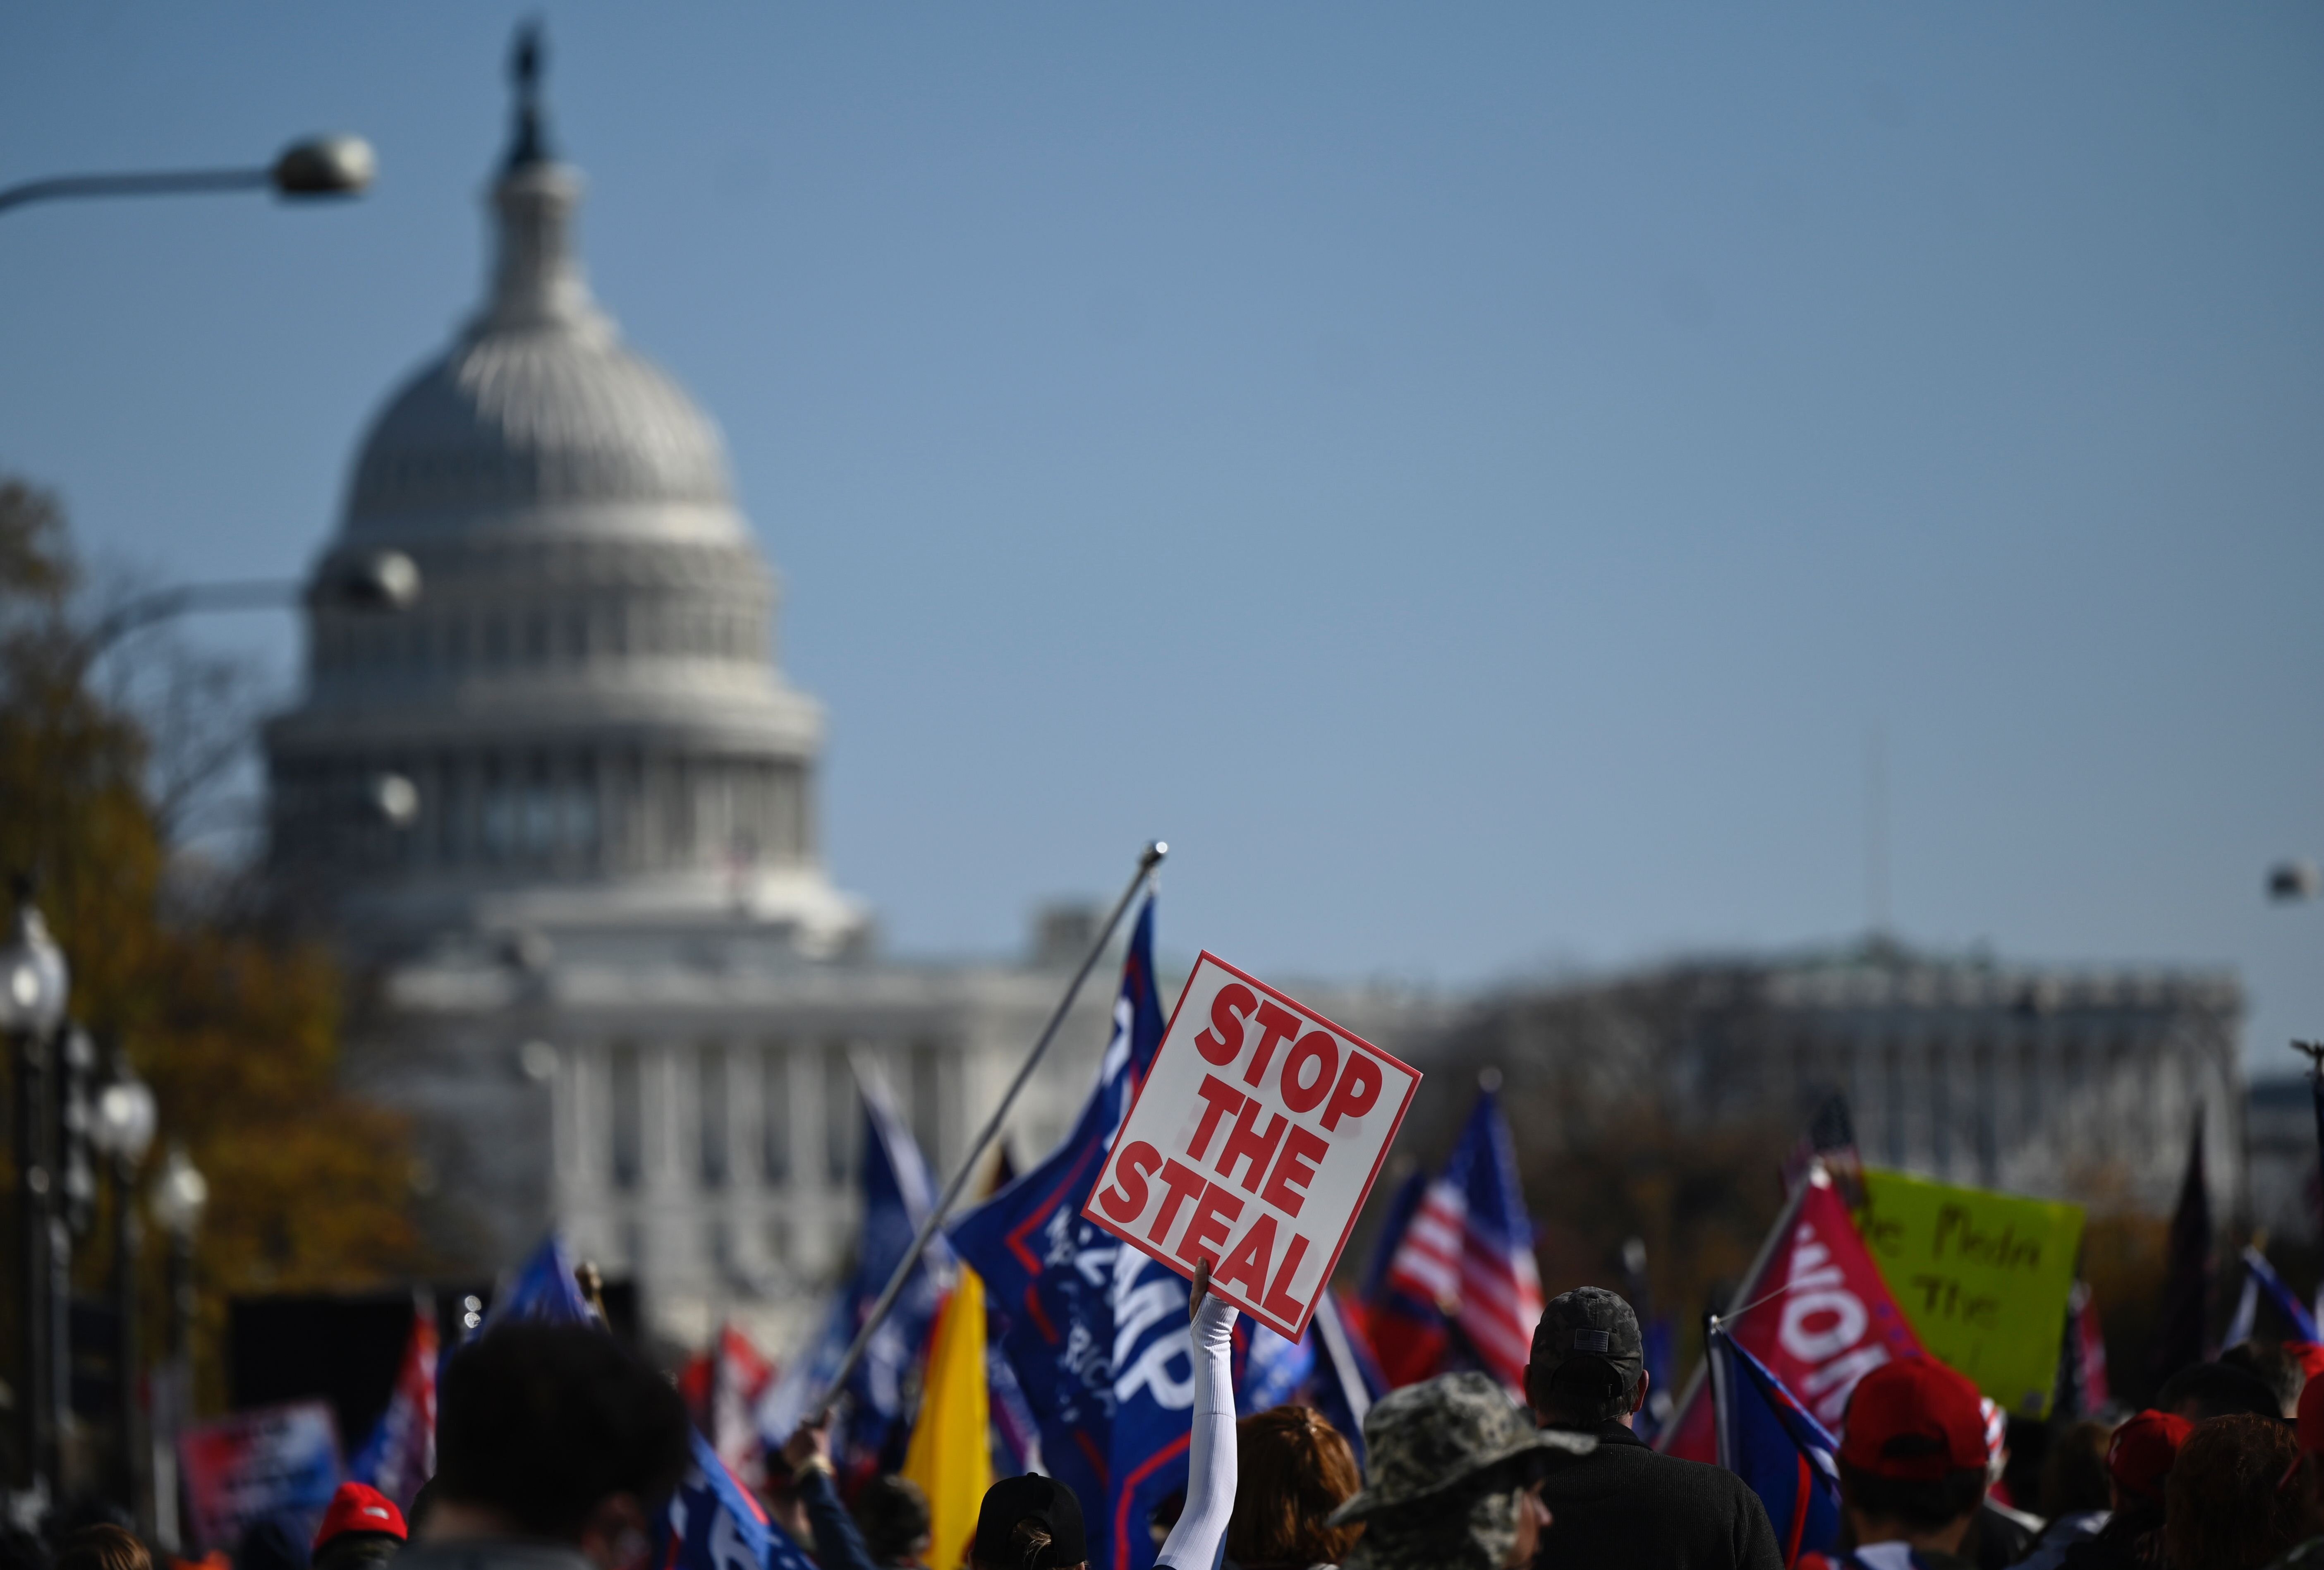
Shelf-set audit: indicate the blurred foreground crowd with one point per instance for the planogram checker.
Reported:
(559, 1449)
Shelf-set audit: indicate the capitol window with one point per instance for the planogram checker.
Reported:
(713, 1103)
(775, 1113)
(628, 1124)
(535, 816)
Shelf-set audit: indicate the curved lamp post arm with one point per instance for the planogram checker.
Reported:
(319, 166)
(181, 182)
(161, 605)
(383, 581)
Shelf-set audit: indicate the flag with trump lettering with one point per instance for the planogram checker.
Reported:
(1767, 1439)
(712, 1523)
(1090, 1328)
(1813, 1309)
(1469, 1248)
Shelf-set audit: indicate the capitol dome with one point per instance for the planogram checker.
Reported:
(584, 703)
(515, 418)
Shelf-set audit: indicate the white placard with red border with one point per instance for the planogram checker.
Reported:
(1258, 1133)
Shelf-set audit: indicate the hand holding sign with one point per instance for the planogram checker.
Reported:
(1252, 1144)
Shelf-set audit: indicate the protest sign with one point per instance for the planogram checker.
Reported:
(1983, 1278)
(1252, 1144)
(276, 1461)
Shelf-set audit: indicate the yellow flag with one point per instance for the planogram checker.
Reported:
(951, 1453)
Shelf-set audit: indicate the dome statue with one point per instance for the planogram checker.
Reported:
(583, 708)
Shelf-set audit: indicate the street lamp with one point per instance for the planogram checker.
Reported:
(33, 980)
(380, 581)
(179, 1195)
(122, 1130)
(318, 166)
(2294, 881)
(33, 977)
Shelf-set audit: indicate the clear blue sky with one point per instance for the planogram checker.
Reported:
(1472, 477)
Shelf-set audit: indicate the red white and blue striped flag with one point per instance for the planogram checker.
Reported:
(1469, 1248)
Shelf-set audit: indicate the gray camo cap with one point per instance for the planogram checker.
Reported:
(1425, 1438)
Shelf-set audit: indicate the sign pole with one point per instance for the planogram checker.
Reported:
(1147, 860)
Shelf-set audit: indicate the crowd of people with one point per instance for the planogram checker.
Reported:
(556, 1446)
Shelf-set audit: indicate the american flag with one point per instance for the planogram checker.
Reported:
(1468, 1247)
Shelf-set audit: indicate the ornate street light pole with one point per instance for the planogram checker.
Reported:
(181, 1195)
(122, 1130)
(33, 986)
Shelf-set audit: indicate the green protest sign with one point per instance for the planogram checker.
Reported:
(1981, 1277)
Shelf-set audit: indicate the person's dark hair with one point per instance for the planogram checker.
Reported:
(1923, 1505)
(2225, 1507)
(21, 1550)
(1293, 1469)
(1028, 1545)
(102, 1547)
(543, 1422)
(1588, 1391)
(358, 1551)
(269, 1544)
(892, 1513)
(2203, 1391)
(2273, 1367)
(2074, 1476)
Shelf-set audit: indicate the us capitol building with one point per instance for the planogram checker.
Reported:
(607, 971)
(615, 986)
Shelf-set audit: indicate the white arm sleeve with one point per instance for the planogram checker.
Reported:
(1194, 1543)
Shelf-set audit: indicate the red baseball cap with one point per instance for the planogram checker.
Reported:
(358, 1508)
(1914, 1420)
(2143, 1450)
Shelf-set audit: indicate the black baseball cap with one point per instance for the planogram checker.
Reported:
(1043, 1500)
(1590, 1322)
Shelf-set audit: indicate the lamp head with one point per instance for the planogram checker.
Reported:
(181, 1195)
(324, 166)
(32, 973)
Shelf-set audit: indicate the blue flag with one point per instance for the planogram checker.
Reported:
(1268, 1370)
(543, 1287)
(1771, 1442)
(712, 1523)
(1658, 1342)
(1345, 1379)
(1096, 1334)
(2287, 1303)
(898, 1195)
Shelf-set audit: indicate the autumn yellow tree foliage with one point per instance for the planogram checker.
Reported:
(234, 1027)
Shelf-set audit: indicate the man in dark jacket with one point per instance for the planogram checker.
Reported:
(1623, 1505)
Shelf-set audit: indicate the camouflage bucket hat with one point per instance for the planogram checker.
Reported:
(1427, 1438)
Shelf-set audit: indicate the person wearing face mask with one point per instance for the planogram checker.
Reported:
(555, 1447)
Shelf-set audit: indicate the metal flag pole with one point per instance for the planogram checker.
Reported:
(1147, 860)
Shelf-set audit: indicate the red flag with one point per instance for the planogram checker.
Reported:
(739, 1376)
(1813, 1309)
